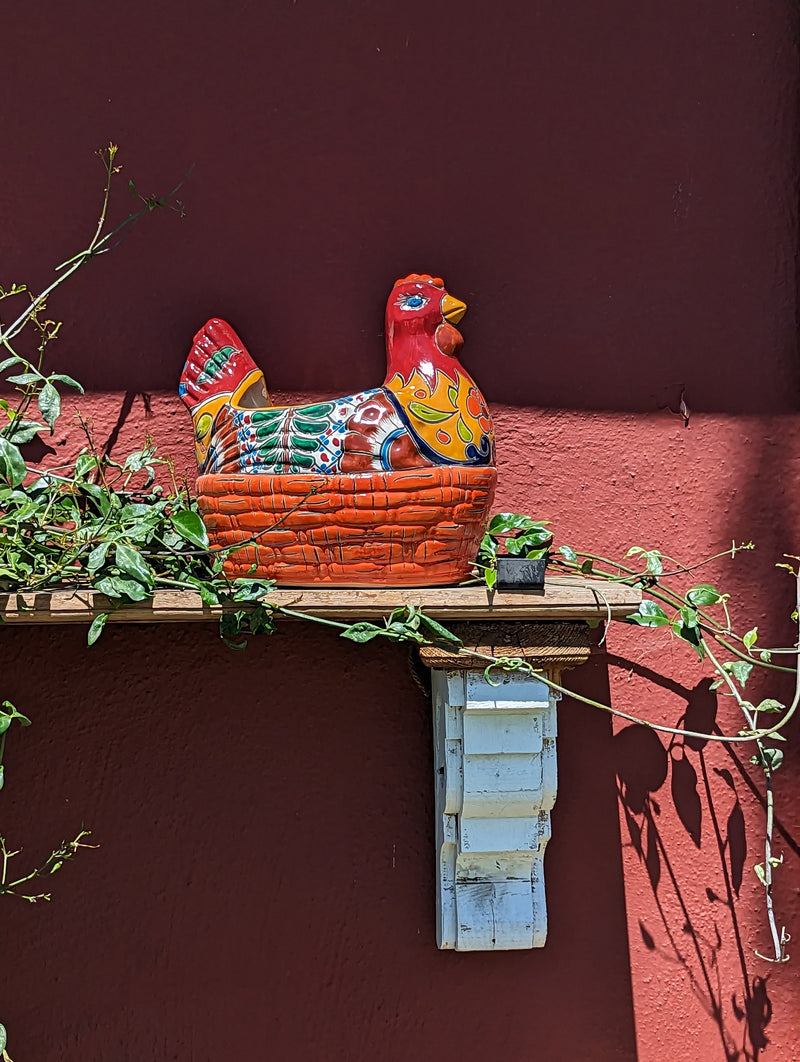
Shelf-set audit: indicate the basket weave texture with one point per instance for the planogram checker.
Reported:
(410, 528)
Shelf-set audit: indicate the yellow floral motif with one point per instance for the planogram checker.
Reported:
(451, 418)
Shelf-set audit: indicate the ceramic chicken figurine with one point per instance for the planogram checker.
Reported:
(366, 450)
(428, 412)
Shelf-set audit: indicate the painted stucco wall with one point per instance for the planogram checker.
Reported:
(612, 189)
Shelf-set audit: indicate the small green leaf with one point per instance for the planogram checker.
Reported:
(652, 557)
(49, 401)
(5, 723)
(650, 615)
(85, 463)
(490, 577)
(116, 587)
(438, 631)
(768, 759)
(6, 363)
(654, 565)
(765, 655)
(25, 378)
(568, 553)
(97, 557)
(759, 867)
(703, 594)
(189, 524)
(12, 463)
(586, 567)
(362, 632)
(2, 775)
(488, 547)
(505, 523)
(689, 617)
(96, 628)
(63, 378)
(769, 704)
(687, 627)
(22, 431)
(130, 561)
(750, 638)
(740, 669)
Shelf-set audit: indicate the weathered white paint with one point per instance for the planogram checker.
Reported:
(496, 780)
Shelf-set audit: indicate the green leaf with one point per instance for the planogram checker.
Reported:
(650, 615)
(49, 401)
(3, 1038)
(488, 547)
(703, 594)
(686, 626)
(116, 587)
(2, 775)
(188, 523)
(85, 463)
(750, 638)
(97, 557)
(689, 617)
(252, 589)
(230, 626)
(740, 669)
(586, 567)
(12, 463)
(528, 541)
(22, 431)
(765, 655)
(362, 632)
(5, 723)
(6, 363)
(96, 628)
(130, 561)
(505, 523)
(438, 631)
(63, 378)
(759, 867)
(769, 704)
(652, 557)
(768, 759)
(569, 554)
(25, 378)
(490, 577)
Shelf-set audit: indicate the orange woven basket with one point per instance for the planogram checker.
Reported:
(413, 528)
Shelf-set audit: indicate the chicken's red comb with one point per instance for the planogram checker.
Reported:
(425, 277)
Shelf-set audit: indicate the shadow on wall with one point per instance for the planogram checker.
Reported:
(645, 767)
(265, 881)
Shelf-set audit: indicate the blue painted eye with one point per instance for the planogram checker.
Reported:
(414, 301)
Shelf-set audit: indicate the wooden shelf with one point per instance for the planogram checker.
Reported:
(564, 598)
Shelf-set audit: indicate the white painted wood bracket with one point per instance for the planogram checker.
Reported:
(496, 781)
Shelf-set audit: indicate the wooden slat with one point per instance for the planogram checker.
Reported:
(564, 597)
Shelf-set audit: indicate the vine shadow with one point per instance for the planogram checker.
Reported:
(644, 765)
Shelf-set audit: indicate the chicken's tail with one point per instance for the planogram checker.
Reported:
(219, 369)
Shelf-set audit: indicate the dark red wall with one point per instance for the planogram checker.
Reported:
(612, 189)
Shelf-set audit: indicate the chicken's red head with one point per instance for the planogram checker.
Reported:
(420, 322)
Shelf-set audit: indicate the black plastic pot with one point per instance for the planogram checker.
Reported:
(520, 573)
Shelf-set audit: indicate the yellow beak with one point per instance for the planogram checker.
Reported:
(453, 309)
